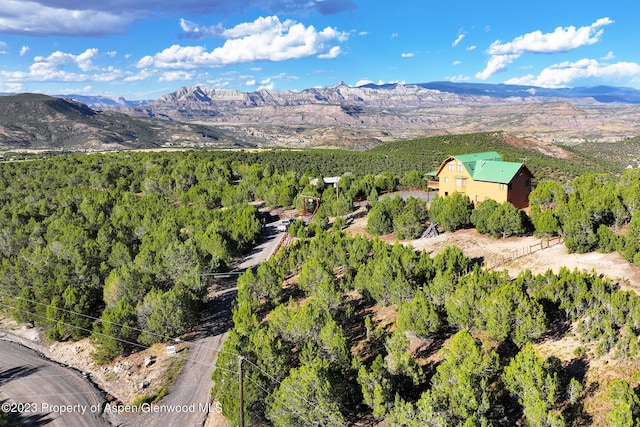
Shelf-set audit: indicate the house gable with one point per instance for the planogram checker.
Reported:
(485, 176)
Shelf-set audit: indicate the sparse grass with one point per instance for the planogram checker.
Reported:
(171, 374)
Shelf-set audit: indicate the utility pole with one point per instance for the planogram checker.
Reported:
(240, 398)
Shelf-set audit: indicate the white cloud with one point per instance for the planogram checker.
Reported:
(458, 78)
(394, 35)
(251, 82)
(196, 31)
(14, 87)
(407, 55)
(458, 40)
(65, 67)
(98, 18)
(266, 84)
(36, 19)
(265, 39)
(561, 40)
(173, 76)
(456, 63)
(3, 46)
(59, 59)
(608, 56)
(334, 52)
(470, 48)
(561, 75)
(24, 50)
(363, 82)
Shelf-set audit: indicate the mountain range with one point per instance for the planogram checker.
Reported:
(333, 116)
(597, 94)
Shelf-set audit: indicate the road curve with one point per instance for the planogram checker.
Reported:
(45, 393)
(50, 394)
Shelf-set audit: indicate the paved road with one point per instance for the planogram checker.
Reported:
(46, 393)
(194, 384)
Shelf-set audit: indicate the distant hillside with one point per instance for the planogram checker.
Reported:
(104, 101)
(362, 117)
(33, 121)
(599, 94)
(336, 116)
(393, 96)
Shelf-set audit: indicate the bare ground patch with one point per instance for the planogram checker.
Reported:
(515, 250)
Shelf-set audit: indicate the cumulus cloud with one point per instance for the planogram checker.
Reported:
(173, 76)
(265, 39)
(560, 75)
(267, 84)
(363, 82)
(561, 40)
(609, 56)
(470, 48)
(407, 55)
(24, 50)
(334, 52)
(458, 40)
(65, 67)
(456, 63)
(83, 18)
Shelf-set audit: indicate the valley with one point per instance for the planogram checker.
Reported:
(109, 249)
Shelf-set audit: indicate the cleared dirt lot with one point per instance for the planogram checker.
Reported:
(486, 248)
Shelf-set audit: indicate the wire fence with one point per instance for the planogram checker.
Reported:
(498, 260)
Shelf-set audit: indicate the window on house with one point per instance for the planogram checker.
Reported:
(477, 198)
(450, 166)
(460, 167)
(461, 182)
(502, 186)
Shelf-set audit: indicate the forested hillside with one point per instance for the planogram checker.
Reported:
(118, 237)
(337, 329)
(425, 155)
(333, 329)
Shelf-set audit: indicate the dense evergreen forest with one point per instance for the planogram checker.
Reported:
(119, 237)
(333, 328)
(365, 330)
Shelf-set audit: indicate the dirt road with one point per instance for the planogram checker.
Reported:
(189, 400)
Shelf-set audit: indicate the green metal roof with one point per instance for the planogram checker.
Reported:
(501, 172)
(488, 166)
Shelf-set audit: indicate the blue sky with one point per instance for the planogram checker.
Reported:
(142, 49)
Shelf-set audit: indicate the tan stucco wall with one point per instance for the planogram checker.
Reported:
(479, 191)
(486, 190)
(450, 187)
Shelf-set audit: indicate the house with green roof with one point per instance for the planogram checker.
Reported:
(483, 176)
